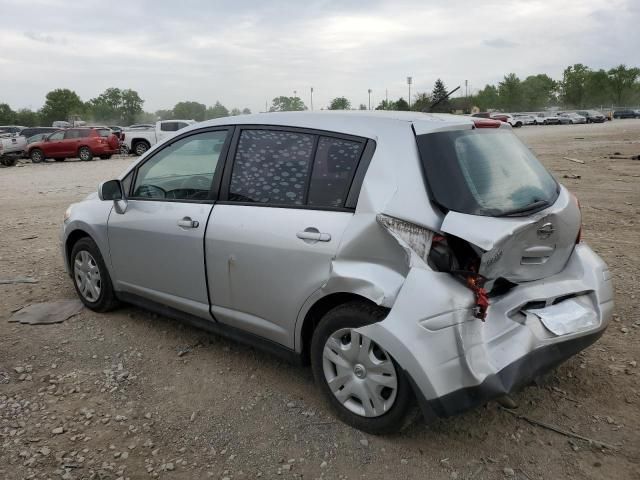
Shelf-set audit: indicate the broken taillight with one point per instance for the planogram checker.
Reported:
(415, 237)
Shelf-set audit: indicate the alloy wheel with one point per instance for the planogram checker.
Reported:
(359, 373)
(87, 276)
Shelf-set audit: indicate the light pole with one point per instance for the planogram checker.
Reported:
(409, 82)
(312, 99)
(369, 98)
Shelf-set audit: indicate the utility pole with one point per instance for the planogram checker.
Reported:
(311, 99)
(369, 98)
(409, 82)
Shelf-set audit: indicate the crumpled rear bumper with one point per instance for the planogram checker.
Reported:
(455, 361)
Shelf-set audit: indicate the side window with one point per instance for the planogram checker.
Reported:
(271, 166)
(335, 164)
(183, 170)
(57, 136)
(181, 125)
(71, 134)
(169, 126)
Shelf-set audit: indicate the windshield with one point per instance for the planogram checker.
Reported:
(484, 172)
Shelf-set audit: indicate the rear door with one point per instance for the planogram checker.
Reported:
(273, 234)
(157, 244)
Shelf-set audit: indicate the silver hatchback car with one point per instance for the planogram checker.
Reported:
(418, 262)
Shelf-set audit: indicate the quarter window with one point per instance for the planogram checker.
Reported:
(271, 167)
(335, 163)
(183, 170)
(170, 126)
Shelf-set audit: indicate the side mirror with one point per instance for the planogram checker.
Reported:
(110, 190)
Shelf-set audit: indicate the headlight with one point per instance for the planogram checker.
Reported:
(67, 214)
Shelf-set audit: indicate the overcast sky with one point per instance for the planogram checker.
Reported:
(244, 53)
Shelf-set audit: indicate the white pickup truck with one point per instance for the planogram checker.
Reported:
(12, 147)
(138, 141)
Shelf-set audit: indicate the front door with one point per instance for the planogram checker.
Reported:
(54, 146)
(274, 234)
(157, 244)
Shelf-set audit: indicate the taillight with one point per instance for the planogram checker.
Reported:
(486, 123)
(414, 237)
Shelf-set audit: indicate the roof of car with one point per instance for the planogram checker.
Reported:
(368, 123)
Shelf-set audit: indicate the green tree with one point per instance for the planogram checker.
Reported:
(190, 111)
(27, 117)
(573, 83)
(538, 91)
(622, 80)
(217, 111)
(246, 111)
(401, 104)
(510, 92)
(362, 106)
(487, 98)
(7, 115)
(439, 93)
(234, 112)
(60, 104)
(421, 102)
(287, 104)
(340, 103)
(597, 88)
(131, 106)
(386, 105)
(106, 106)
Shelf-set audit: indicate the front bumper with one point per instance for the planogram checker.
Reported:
(456, 362)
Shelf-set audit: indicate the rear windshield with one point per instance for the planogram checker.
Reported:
(104, 132)
(484, 172)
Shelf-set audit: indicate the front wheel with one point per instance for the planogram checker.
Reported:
(140, 148)
(90, 276)
(363, 384)
(36, 155)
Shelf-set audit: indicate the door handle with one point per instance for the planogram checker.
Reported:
(186, 222)
(313, 235)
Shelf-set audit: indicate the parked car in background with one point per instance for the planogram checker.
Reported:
(38, 137)
(138, 141)
(625, 113)
(12, 147)
(31, 131)
(61, 124)
(525, 118)
(140, 125)
(592, 116)
(84, 143)
(545, 118)
(482, 115)
(507, 118)
(412, 259)
(13, 129)
(571, 118)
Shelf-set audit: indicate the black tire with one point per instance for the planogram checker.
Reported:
(140, 147)
(85, 154)
(37, 156)
(106, 300)
(518, 124)
(354, 315)
(8, 161)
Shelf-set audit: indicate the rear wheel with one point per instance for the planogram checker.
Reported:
(364, 385)
(36, 155)
(8, 161)
(140, 148)
(84, 154)
(90, 276)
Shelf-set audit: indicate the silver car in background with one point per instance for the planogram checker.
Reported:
(414, 260)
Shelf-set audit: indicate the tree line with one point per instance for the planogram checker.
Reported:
(114, 106)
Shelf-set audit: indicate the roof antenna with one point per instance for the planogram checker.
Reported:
(430, 107)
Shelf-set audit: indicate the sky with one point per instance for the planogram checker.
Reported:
(244, 53)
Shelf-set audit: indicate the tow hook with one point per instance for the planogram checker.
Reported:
(476, 284)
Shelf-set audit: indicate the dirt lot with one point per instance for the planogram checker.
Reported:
(129, 406)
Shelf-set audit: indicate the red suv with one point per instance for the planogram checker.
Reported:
(84, 143)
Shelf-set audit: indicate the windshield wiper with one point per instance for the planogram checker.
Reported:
(535, 205)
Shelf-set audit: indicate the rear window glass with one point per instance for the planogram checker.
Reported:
(104, 132)
(484, 172)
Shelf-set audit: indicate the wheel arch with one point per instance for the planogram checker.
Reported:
(318, 310)
(70, 241)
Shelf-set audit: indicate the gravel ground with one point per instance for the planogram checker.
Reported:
(115, 396)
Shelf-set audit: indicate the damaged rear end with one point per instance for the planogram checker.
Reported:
(502, 289)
